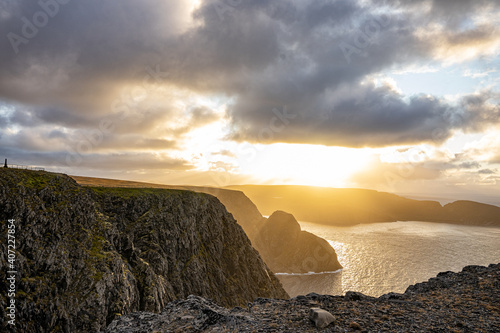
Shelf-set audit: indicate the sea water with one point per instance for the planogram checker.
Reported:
(388, 257)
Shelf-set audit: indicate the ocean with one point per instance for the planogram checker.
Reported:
(388, 257)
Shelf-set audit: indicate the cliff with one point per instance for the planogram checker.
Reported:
(85, 256)
(298, 252)
(286, 248)
(473, 213)
(236, 202)
(336, 206)
(468, 301)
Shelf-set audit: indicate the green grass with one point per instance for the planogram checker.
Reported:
(126, 192)
(29, 178)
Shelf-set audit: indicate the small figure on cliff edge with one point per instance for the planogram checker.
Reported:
(5, 165)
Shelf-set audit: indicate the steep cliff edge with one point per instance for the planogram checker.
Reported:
(85, 256)
(237, 203)
(286, 248)
(300, 252)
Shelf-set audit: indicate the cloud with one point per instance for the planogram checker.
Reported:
(457, 47)
(469, 165)
(69, 161)
(363, 115)
(312, 77)
(85, 50)
(202, 116)
(140, 66)
(487, 172)
(224, 152)
(485, 150)
(386, 175)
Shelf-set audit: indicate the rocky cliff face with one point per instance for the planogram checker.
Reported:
(285, 248)
(86, 256)
(237, 203)
(279, 240)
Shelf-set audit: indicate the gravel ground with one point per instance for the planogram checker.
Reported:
(468, 301)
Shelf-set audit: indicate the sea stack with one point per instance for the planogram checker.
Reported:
(286, 248)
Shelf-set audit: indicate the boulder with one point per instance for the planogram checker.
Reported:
(320, 317)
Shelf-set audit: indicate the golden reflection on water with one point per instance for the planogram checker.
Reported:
(388, 257)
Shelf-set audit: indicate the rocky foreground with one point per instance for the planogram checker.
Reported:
(468, 301)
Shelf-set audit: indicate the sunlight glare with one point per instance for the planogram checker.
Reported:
(305, 164)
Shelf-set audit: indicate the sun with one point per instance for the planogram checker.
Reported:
(312, 165)
(278, 163)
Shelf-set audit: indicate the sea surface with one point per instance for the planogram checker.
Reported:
(388, 257)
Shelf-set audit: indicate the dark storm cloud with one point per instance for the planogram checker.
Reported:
(306, 67)
(363, 116)
(309, 57)
(83, 52)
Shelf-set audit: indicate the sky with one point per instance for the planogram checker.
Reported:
(398, 96)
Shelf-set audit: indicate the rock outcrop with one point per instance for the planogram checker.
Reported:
(87, 256)
(468, 301)
(286, 248)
